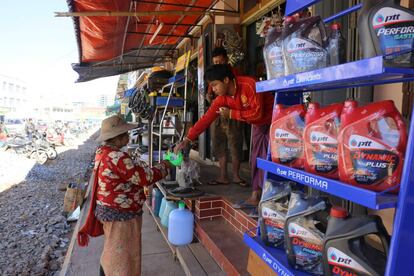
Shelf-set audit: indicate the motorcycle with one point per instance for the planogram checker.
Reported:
(55, 137)
(23, 146)
(40, 140)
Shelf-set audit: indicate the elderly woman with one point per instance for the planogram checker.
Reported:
(117, 199)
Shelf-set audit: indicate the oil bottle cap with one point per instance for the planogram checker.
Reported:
(338, 212)
(335, 26)
(181, 205)
(290, 19)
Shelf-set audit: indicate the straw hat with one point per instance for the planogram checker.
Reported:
(112, 127)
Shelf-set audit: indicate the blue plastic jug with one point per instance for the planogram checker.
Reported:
(156, 200)
(162, 207)
(181, 226)
(169, 207)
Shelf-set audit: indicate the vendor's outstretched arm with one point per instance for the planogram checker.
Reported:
(205, 121)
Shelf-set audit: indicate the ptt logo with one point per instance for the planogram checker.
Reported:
(381, 19)
(300, 45)
(319, 139)
(282, 135)
(360, 144)
(293, 231)
(340, 260)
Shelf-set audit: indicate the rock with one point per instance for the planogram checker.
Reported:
(54, 266)
(32, 228)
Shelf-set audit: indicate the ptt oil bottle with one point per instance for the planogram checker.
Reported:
(305, 228)
(321, 139)
(385, 28)
(286, 134)
(273, 53)
(349, 245)
(273, 208)
(336, 46)
(304, 44)
(372, 143)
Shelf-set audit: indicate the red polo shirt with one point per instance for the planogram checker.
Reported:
(246, 105)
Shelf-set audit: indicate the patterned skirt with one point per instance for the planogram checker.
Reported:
(121, 254)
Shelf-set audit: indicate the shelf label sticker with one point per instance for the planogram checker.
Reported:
(303, 178)
(280, 270)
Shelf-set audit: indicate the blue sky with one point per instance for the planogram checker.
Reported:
(38, 48)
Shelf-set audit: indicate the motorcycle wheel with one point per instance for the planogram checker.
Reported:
(40, 156)
(51, 153)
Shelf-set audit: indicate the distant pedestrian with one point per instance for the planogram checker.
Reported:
(3, 132)
(29, 128)
(116, 200)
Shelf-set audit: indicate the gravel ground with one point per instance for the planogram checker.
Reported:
(34, 235)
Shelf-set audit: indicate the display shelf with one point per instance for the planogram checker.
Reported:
(370, 71)
(173, 102)
(363, 197)
(163, 230)
(275, 258)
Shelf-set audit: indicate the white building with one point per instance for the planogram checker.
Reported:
(103, 100)
(13, 94)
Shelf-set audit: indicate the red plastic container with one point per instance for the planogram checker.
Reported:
(286, 133)
(321, 139)
(372, 144)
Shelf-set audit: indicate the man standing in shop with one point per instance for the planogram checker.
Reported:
(237, 99)
(225, 132)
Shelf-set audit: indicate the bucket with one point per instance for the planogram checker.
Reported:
(156, 200)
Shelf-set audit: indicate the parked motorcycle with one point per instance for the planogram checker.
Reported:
(41, 141)
(23, 146)
(55, 137)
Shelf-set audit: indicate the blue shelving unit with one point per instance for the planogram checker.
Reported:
(273, 257)
(363, 197)
(366, 72)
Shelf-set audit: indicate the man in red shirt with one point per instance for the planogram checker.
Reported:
(237, 99)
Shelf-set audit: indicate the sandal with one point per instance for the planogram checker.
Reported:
(242, 183)
(243, 205)
(216, 182)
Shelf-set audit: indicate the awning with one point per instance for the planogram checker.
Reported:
(118, 36)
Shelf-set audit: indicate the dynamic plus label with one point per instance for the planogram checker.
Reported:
(371, 161)
(274, 224)
(324, 152)
(290, 146)
(307, 248)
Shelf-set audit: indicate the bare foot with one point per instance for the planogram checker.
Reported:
(252, 201)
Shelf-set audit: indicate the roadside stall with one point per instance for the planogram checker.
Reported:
(337, 164)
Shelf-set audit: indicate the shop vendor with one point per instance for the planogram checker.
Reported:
(237, 99)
